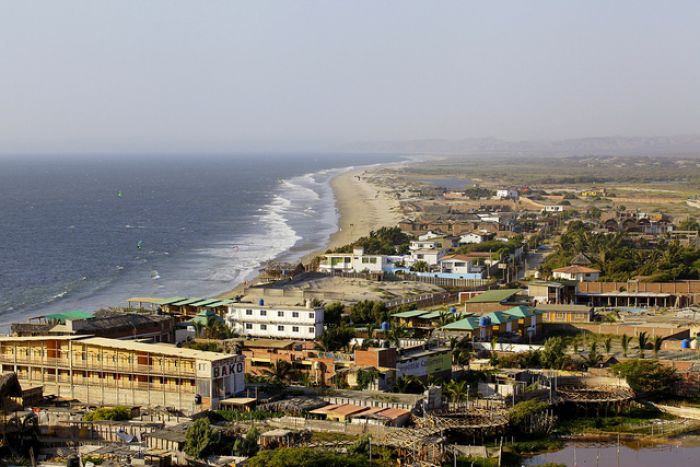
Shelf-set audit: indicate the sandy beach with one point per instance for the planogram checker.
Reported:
(362, 206)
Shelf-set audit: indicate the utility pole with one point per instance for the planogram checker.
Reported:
(370, 451)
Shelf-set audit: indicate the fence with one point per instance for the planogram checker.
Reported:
(423, 300)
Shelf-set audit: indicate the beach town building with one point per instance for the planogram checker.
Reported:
(462, 266)
(476, 237)
(357, 261)
(554, 208)
(101, 371)
(429, 235)
(431, 244)
(110, 324)
(576, 273)
(566, 313)
(431, 256)
(507, 193)
(277, 321)
(516, 322)
(495, 300)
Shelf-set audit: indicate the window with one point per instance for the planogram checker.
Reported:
(312, 330)
(263, 327)
(248, 326)
(295, 314)
(295, 328)
(311, 315)
(249, 312)
(280, 328)
(263, 312)
(280, 314)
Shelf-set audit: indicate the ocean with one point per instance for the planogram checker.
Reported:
(80, 233)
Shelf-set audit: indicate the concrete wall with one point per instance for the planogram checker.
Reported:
(620, 329)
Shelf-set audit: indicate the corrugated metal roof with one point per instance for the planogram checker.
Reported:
(493, 296)
(187, 301)
(205, 301)
(409, 314)
(469, 323)
(69, 315)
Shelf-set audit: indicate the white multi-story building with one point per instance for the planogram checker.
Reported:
(507, 193)
(554, 208)
(432, 256)
(357, 261)
(277, 321)
(475, 237)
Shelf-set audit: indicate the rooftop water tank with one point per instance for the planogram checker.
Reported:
(685, 344)
(484, 321)
(453, 310)
(384, 326)
(261, 302)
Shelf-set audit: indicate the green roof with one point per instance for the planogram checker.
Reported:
(469, 323)
(497, 295)
(204, 317)
(187, 301)
(205, 301)
(219, 303)
(409, 314)
(499, 317)
(520, 311)
(170, 301)
(69, 315)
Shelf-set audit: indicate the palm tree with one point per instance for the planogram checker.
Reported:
(658, 340)
(278, 372)
(608, 345)
(445, 318)
(625, 342)
(642, 340)
(395, 335)
(198, 326)
(457, 390)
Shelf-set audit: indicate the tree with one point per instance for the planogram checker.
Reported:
(420, 266)
(457, 390)
(248, 445)
(307, 457)
(279, 372)
(409, 384)
(608, 345)
(658, 341)
(522, 413)
(624, 342)
(553, 353)
(642, 340)
(198, 327)
(648, 378)
(333, 313)
(200, 438)
(336, 338)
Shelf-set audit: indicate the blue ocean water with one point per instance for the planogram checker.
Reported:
(77, 233)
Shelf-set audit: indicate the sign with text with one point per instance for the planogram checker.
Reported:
(230, 366)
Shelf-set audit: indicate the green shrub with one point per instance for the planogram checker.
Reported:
(117, 413)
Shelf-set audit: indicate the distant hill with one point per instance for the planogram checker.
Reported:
(613, 145)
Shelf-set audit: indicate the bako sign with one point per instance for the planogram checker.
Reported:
(228, 367)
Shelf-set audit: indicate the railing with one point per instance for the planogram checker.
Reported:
(95, 365)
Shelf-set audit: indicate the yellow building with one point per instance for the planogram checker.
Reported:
(103, 371)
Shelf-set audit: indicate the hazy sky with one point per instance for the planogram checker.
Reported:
(174, 76)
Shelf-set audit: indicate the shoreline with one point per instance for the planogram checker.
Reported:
(362, 206)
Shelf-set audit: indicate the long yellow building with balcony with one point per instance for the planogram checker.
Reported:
(103, 371)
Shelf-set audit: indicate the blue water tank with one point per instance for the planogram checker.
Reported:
(685, 344)
(384, 326)
(453, 310)
(261, 302)
(484, 321)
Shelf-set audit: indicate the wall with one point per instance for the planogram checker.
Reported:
(619, 329)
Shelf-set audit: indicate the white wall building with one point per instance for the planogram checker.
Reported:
(356, 261)
(554, 208)
(576, 273)
(475, 237)
(431, 256)
(429, 235)
(283, 321)
(507, 193)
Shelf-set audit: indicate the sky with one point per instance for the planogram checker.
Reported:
(180, 76)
